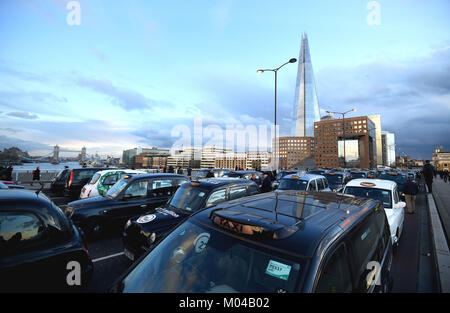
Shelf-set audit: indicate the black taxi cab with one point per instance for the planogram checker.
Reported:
(143, 231)
(278, 242)
(39, 246)
(130, 196)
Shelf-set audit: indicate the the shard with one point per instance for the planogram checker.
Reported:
(306, 106)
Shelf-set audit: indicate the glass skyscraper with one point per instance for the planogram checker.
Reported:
(306, 106)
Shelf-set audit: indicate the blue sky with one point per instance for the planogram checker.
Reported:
(132, 70)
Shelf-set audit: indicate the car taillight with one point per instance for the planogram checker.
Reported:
(71, 178)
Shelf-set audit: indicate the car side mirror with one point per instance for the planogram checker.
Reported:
(400, 205)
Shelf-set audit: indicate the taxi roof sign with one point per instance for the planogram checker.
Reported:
(195, 183)
(295, 176)
(367, 184)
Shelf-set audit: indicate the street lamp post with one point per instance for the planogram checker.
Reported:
(293, 60)
(343, 129)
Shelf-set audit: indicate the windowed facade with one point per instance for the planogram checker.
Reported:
(358, 134)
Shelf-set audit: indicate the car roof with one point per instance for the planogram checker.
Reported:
(307, 177)
(127, 171)
(379, 183)
(156, 175)
(211, 183)
(299, 220)
(335, 173)
(22, 195)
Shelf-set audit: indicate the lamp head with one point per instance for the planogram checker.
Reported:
(260, 71)
(293, 60)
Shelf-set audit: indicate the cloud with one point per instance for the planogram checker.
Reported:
(24, 145)
(24, 115)
(412, 96)
(127, 99)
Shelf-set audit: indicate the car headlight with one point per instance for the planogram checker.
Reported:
(151, 239)
(128, 224)
(334, 190)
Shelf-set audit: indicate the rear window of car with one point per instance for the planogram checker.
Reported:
(19, 231)
(83, 174)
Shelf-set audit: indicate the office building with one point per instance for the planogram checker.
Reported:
(293, 150)
(441, 159)
(306, 105)
(388, 148)
(129, 156)
(376, 119)
(350, 145)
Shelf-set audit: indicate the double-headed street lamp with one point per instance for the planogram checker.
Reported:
(293, 60)
(343, 128)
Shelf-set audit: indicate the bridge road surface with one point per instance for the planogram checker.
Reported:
(413, 266)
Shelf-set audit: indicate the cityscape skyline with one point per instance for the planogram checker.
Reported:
(175, 62)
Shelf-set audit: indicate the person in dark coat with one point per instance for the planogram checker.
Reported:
(428, 174)
(266, 184)
(8, 173)
(171, 169)
(36, 174)
(411, 189)
(210, 174)
(189, 172)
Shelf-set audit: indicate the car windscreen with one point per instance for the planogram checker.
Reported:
(235, 175)
(195, 258)
(358, 175)
(293, 184)
(94, 178)
(201, 174)
(188, 198)
(373, 193)
(62, 175)
(117, 188)
(334, 179)
(282, 174)
(397, 178)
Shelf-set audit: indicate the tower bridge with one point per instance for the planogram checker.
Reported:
(57, 150)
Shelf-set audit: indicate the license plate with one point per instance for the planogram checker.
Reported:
(128, 254)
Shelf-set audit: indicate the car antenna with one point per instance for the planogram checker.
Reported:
(39, 190)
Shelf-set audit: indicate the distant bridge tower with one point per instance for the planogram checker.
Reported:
(83, 155)
(55, 158)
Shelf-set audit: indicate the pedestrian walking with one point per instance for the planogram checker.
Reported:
(179, 170)
(445, 174)
(36, 175)
(411, 189)
(171, 170)
(428, 173)
(189, 172)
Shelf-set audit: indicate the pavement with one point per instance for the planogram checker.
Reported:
(413, 267)
(441, 194)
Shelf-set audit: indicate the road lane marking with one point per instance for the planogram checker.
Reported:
(107, 257)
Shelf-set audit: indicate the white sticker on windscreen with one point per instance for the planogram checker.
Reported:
(278, 270)
(201, 241)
